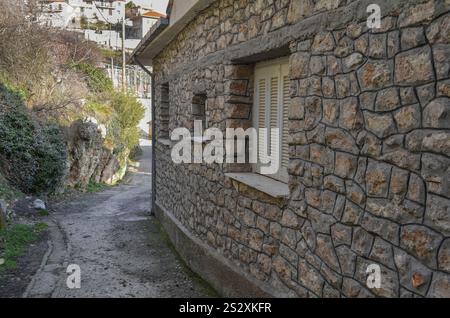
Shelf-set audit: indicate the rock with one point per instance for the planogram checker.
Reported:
(421, 242)
(299, 65)
(412, 37)
(310, 277)
(440, 286)
(414, 67)
(387, 99)
(353, 61)
(299, 10)
(323, 42)
(341, 140)
(39, 204)
(438, 213)
(386, 229)
(382, 252)
(382, 125)
(417, 14)
(362, 241)
(375, 74)
(413, 275)
(341, 234)
(441, 53)
(408, 118)
(352, 213)
(439, 30)
(345, 165)
(436, 172)
(347, 259)
(403, 212)
(317, 65)
(437, 114)
(393, 43)
(444, 256)
(377, 178)
(377, 45)
(326, 251)
(350, 117)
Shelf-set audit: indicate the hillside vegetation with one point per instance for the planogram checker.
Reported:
(51, 80)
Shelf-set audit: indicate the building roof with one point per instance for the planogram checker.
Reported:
(154, 14)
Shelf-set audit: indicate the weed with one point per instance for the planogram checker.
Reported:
(14, 241)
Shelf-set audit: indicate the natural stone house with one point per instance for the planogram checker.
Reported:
(365, 144)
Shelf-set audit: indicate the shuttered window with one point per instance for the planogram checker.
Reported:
(271, 109)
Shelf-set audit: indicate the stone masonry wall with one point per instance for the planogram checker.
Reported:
(369, 143)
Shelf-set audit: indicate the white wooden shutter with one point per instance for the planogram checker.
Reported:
(261, 116)
(271, 111)
(274, 145)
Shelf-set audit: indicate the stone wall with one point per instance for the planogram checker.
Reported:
(369, 144)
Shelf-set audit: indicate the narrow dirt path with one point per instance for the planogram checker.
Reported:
(118, 246)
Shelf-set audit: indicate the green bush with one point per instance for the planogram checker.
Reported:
(97, 79)
(32, 158)
(128, 113)
(51, 154)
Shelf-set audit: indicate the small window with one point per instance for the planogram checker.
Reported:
(164, 112)
(271, 107)
(110, 11)
(199, 109)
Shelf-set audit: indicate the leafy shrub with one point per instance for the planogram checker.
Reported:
(129, 112)
(51, 154)
(16, 141)
(97, 79)
(32, 158)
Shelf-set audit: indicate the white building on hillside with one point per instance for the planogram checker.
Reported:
(68, 13)
(100, 20)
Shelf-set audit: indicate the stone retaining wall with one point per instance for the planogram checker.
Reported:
(369, 144)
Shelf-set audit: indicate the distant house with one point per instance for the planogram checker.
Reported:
(56, 13)
(72, 13)
(142, 22)
(100, 21)
(361, 113)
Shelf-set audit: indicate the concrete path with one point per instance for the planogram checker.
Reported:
(119, 248)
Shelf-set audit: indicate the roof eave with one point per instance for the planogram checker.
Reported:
(161, 34)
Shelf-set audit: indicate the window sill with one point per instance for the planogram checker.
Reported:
(261, 183)
(165, 142)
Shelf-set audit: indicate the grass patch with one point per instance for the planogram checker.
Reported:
(44, 212)
(96, 187)
(14, 241)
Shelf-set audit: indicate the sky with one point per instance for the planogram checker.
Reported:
(159, 5)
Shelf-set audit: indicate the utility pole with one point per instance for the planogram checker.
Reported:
(112, 70)
(124, 85)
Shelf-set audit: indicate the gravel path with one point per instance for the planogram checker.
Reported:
(118, 246)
